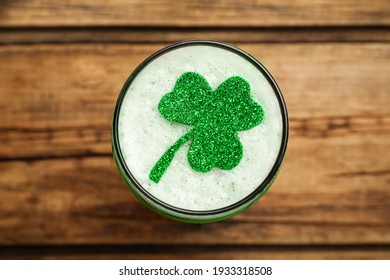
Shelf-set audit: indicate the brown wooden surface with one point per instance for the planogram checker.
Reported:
(61, 195)
(194, 13)
(196, 252)
(170, 35)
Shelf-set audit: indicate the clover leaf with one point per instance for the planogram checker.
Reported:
(216, 115)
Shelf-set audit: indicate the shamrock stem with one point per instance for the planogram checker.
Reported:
(163, 163)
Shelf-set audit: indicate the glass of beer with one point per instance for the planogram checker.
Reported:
(199, 131)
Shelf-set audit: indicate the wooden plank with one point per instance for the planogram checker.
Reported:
(57, 100)
(87, 79)
(41, 143)
(170, 35)
(196, 252)
(195, 13)
(344, 198)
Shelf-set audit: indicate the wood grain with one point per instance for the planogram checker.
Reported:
(196, 252)
(56, 85)
(194, 13)
(83, 141)
(58, 99)
(343, 199)
(170, 35)
(63, 64)
(59, 185)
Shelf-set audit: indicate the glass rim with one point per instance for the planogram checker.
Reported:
(274, 170)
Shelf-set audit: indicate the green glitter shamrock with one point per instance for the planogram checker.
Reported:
(217, 116)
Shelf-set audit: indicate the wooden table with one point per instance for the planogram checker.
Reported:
(63, 63)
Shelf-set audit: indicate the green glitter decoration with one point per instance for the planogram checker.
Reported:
(216, 115)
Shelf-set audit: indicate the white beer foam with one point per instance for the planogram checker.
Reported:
(145, 135)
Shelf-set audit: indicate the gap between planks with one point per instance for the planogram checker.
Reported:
(196, 252)
(60, 35)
